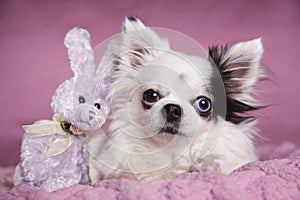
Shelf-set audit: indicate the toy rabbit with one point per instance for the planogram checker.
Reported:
(54, 153)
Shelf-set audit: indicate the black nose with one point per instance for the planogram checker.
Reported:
(173, 112)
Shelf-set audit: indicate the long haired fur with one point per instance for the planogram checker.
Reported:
(159, 127)
(236, 109)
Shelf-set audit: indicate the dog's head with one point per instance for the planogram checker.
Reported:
(158, 92)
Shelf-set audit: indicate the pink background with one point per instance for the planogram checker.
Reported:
(33, 60)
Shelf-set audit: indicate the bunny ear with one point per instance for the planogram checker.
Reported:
(105, 71)
(80, 52)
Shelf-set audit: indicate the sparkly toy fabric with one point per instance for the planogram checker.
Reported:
(59, 171)
(54, 153)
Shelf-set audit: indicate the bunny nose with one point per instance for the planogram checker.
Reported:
(92, 115)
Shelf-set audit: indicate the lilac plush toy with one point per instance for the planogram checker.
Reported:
(53, 152)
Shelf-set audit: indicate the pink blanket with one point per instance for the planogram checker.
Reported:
(277, 176)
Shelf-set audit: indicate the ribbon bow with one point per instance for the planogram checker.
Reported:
(56, 126)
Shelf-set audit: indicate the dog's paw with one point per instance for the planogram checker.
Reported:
(209, 163)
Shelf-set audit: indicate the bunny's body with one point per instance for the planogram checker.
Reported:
(54, 153)
(52, 173)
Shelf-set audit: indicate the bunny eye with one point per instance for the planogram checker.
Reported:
(97, 105)
(81, 99)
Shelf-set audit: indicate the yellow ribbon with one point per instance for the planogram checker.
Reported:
(53, 127)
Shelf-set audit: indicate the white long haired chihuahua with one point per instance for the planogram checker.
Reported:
(167, 108)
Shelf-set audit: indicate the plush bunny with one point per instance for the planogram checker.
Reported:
(53, 152)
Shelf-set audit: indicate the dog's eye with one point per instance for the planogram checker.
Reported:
(97, 105)
(150, 96)
(81, 99)
(203, 105)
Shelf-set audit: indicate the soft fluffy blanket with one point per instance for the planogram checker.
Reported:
(277, 176)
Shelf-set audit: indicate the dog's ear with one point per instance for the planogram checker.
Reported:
(138, 42)
(132, 23)
(239, 66)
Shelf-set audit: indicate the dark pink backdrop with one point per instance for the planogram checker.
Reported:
(34, 62)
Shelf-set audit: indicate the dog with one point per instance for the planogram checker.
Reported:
(173, 112)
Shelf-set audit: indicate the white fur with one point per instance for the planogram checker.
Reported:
(131, 146)
(249, 51)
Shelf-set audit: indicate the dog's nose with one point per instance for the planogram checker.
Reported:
(173, 112)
